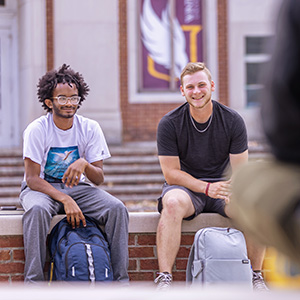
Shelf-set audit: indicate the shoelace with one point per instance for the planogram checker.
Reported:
(258, 281)
(167, 278)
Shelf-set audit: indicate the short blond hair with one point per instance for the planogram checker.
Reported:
(193, 67)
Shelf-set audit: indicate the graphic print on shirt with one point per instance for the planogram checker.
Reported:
(58, 161)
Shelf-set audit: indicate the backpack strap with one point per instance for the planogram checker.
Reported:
(189, 266)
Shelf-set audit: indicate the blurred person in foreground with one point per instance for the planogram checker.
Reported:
(266, 195)
(196, 143)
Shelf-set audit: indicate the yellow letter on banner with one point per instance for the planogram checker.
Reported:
(194, 30)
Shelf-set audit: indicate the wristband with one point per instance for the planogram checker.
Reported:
(207, 187)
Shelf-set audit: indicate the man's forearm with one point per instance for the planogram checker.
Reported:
(179, 177)
(94, 174)
(40, 185)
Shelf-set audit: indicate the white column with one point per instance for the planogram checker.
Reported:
(86, 37)
(32, 57)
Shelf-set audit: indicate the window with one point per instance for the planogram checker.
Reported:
(169, 36)
(256, 57)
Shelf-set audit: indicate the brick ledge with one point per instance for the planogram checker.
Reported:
(139, 222)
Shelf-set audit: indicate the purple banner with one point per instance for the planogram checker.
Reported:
(159, 50)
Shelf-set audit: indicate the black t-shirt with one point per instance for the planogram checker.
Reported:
(202, 155)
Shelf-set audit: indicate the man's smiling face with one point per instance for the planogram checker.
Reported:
(197, 89)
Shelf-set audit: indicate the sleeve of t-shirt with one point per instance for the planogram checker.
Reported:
(239, 139)
(166, 138)
(33, 142)
(96, 148)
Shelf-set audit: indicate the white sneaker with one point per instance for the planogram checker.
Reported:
(163, 281)
(258, 282)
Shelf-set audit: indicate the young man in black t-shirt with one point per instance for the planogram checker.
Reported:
(197, 143)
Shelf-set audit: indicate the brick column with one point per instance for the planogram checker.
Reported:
(223, 52)
(50, 34)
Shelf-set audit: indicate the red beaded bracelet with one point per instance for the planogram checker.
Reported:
(207, 187)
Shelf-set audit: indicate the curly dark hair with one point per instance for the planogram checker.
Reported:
(64, 74)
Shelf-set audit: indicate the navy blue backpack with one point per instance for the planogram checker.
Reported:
(80, 254)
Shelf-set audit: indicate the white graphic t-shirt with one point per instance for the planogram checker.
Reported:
(55, 149)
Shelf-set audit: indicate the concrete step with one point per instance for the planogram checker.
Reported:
(16, 152)
(10, 201)
(13, 181)
(12, 171)
(132, 174)
(133, 189)
(116, 160)
(133, 205)
(132, 179)
(134, 159)
(131, 169)
(11, 161)
(114, 189)
(109, 169)
(12, 191)
(10, 181)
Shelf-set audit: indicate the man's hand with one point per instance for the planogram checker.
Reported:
(220, 190)
(74, 172)
(73, 212)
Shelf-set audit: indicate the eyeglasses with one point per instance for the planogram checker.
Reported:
(62, 100)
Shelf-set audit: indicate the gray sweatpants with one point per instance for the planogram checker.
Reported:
(94, 202)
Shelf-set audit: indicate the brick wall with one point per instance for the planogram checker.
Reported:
(143, 264)
(142, 257)
(11, 258)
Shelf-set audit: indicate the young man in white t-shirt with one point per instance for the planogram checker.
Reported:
(60, 149)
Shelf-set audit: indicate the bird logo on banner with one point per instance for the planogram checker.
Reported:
(156, 34)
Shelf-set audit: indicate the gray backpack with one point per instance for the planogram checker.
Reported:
(219, 255)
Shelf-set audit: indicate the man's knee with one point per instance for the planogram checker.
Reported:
(118, 208)
(177, 204)
(37, 212)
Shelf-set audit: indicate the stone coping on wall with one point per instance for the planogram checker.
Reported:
(139, 222)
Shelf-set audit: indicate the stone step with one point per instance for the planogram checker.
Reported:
(108, 169)
(10, 181)
(12, 191)
(132, 174)
(10, 201)
(133, 179)
(13, 200)
(133, 189)
(131, 169)
(11, 161)
(133, 159)
(112, 189)
(12, 171)
(116, 190)
(16, 152)
(13, 204)
(136, 148)
(133, 202)
(114, 160)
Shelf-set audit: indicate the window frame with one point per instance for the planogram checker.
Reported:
(255, 58)
(210, 57)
